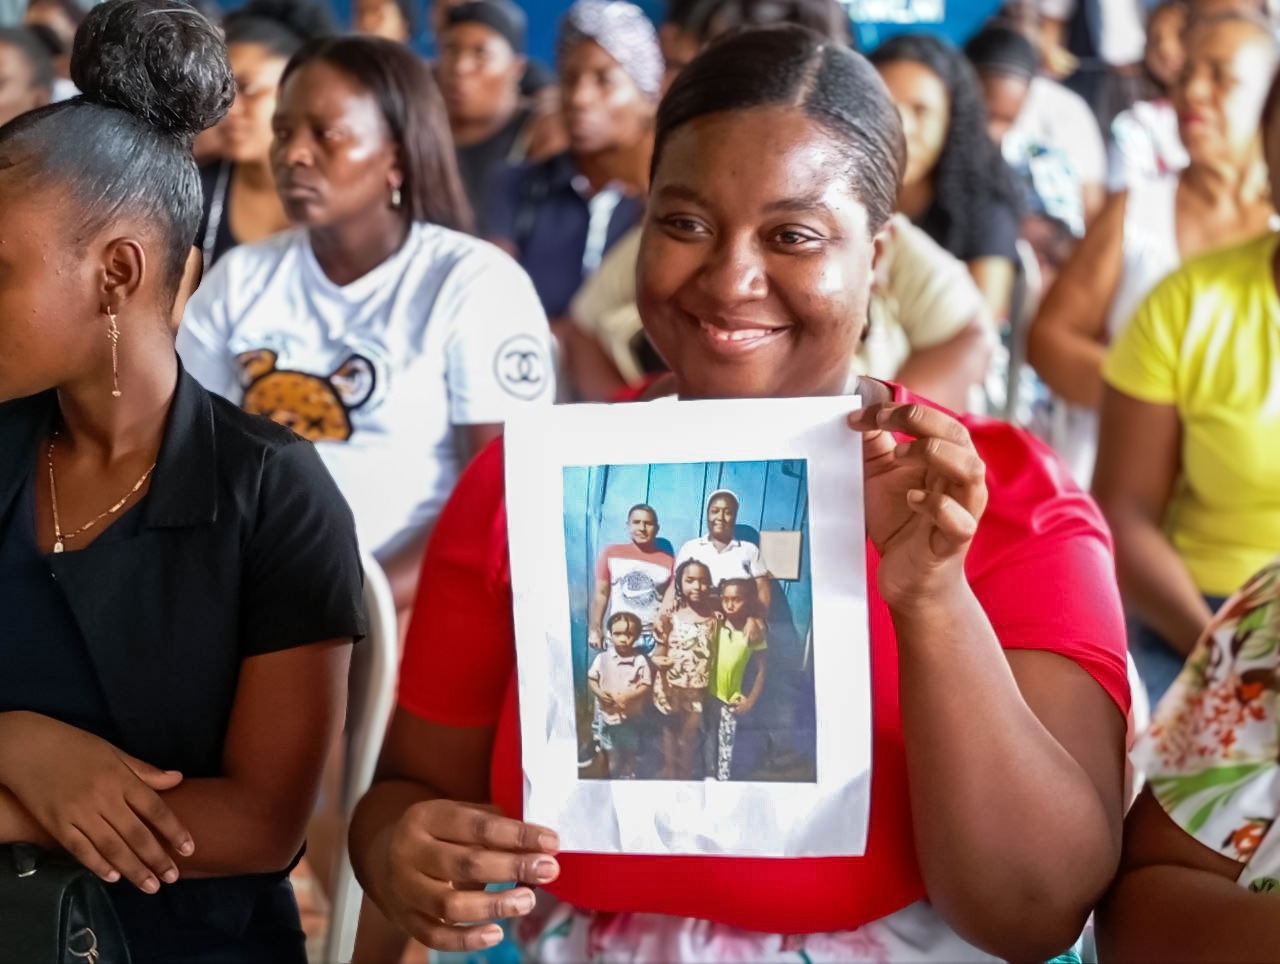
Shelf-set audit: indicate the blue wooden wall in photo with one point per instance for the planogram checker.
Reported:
(774, 495)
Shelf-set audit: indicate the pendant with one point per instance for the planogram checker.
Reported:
(57, 546)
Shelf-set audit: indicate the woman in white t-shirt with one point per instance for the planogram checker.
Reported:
(1143, 234)
(376, 328)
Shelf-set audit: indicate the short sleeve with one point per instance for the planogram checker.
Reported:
(994, 232)
(602, 565)
(1143, 362)
(644, 673)
(594, 672)
(935, 294)
(204, 334)
(1041, 563)
(498, 354)
(302, 581)
(755, 563)
(459, 654)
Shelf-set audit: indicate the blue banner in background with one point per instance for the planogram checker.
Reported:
(874, 21)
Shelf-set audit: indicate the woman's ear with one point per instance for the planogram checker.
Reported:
(124, 269)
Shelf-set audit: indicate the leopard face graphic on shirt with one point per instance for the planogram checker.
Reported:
(315, 407)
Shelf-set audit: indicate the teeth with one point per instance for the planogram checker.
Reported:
(737, 335)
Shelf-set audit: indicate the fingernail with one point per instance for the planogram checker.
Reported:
(521, 903)
(112, 877)
(188, 848)
(170, 876)
(491, 935)
(915, 495)
(549, 841)
(544, 871)
(151, 885)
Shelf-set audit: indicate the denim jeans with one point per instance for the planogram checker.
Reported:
(1158, 663)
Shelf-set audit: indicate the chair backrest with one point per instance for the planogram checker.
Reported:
(1025, 304)
(372, 693)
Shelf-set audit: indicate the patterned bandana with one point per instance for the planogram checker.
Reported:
(625, 33)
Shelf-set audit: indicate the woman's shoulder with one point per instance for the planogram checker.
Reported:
(439, 246)
(1229, 267)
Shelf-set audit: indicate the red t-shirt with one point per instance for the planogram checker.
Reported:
(1040, 564)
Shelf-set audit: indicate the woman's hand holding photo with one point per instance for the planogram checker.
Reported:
(443, 853)
(101, 804)
(923, 498)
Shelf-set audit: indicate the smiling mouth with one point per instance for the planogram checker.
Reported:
(739, 338)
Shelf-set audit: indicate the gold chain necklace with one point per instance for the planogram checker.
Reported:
(59, 537)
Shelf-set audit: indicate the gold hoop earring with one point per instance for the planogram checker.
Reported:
(395, 196)
(113, 332)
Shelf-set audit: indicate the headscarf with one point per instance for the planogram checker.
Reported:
(625, 33)
(737, 503)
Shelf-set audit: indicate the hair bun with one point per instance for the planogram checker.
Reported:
(306, 19)
(160, 60)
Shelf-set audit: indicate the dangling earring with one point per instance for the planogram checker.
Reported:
(395, 196)
(113, 332)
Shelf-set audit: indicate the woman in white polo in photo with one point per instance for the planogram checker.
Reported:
(726, 556)
(375, 328)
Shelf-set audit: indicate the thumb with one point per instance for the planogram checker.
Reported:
(153, 777)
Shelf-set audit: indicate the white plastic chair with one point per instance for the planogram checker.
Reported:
(372, 694)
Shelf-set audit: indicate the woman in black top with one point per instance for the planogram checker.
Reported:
(180, 580)
(479, 69)
(240, 200)
(957, 187)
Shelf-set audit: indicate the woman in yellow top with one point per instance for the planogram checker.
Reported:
(1188, 469)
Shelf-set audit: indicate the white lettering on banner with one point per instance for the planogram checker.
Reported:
(897, 11)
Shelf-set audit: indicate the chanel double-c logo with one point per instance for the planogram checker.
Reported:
(520, 366)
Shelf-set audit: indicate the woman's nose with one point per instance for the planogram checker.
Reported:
(295, 150)
(734, 273)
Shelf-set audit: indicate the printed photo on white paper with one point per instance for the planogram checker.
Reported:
(691, 626)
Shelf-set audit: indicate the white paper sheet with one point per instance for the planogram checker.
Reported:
(764, 819)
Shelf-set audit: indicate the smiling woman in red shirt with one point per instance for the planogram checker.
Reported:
(997, 642)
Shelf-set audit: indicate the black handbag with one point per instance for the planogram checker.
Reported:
(54, 911)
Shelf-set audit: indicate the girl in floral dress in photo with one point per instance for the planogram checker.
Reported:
(683, 658)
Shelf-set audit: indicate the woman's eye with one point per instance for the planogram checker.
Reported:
(682, 224)
(792, 238)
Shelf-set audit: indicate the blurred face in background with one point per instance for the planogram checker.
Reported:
(678, 48)
(1004, 94)
(1221, 90)
(18, 90)
(1165, 54)
(479, 73)
(603, 107)
(924, 105)
(381, 18)
(246, 132)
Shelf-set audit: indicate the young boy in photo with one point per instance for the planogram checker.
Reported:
(740, 642)
(621, 680)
